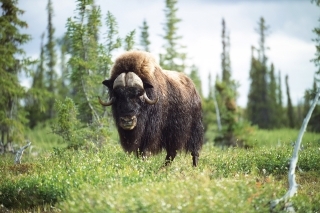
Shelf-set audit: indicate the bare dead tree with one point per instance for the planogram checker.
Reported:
(217, 110)
(293, 186)
(20, 153)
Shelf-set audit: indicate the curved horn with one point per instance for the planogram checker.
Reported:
(109, 103)
(151, 102)
(120, 81)
(133, 80)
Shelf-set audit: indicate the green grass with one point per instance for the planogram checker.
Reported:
(109, 180)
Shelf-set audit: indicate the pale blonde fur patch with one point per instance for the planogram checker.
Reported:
(140, 62)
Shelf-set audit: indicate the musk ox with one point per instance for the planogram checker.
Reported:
(154, 109)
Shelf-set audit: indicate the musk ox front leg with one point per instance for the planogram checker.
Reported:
(170, 157)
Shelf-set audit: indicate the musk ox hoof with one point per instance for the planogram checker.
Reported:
(128, 122)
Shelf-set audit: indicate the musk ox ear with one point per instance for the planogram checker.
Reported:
(108, 83)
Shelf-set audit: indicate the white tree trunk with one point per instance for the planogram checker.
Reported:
(217, 110)
(293, 186)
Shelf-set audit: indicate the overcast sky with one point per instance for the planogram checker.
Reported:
(289, 39)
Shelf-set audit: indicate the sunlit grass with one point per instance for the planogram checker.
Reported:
(109, 180)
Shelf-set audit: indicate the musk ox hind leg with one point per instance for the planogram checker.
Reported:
(196, 140)
(195, 157)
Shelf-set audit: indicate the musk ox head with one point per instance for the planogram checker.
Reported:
(127, 95)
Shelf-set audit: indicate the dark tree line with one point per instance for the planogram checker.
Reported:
(265, 102)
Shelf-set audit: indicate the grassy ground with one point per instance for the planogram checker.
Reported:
(109, 180)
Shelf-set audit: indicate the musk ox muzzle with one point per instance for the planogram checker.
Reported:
(128, 122)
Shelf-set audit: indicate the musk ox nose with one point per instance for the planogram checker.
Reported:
(128, 122)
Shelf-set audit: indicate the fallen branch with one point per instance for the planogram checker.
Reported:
(20, 153)
(293, 186)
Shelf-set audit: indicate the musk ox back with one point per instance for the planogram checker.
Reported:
(154, 109)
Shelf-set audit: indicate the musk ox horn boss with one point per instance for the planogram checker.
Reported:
(154, 109)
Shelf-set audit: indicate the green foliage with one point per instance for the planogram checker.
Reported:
(314, 124)
(12, 62)
(257, 106)
(129, 40)
(173, 58)
(210, 114)
(69, 127)
(45, 86)
(264, 106)
(275, 108)
(82, 37)
(51, 59)
(90, 60)
(144, 37)
(42, 140)
(225, 55)
(310, 93)
(67, 123)
(112, 39)
(316, 30)
(209, 120)
(36, 100)
(233, 132)
(107, 180)
(195, 77)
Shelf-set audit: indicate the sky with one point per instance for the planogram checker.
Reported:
(289, 39)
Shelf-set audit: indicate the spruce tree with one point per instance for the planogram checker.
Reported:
(314, 124)
(209, 113)
(112, 43)
(12, 61)
(226, 98)
(316, 30)
(63, 83)
(173, 58)
(36, 102)
(225, 57)
(90, 60)
(144, 37)
(82, 36)
(88, 65)
(272, 100)
(280, 111)
(279, 91)
(51, 58)
(195, 77)
(129, 40)
(258, 111)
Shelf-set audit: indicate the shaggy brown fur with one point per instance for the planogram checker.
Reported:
(174, 123)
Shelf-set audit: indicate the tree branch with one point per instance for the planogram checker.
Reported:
(20, 153)
(293, 186)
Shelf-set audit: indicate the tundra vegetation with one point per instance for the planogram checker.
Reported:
(73, 161)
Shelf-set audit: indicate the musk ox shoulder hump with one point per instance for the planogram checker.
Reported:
(179, 78)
